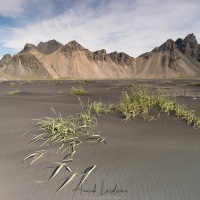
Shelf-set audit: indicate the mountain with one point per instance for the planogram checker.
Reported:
(22, 65)
(180, 58)
(74, 61)
(43, 47)
(189, 47)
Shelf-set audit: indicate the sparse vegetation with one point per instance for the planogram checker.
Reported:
(83, 82)
(78, 91)
(142, 100)
(194, 84)
(138, 103)
(13, 84)
(53, 83)
(66, 134)
(60, 92)
(22, 83)
(181, 111)
(56, 83)
(101, 107)
(31, 81)
(14, 92)
(171, 83)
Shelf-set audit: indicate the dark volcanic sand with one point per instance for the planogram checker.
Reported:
(157, 160)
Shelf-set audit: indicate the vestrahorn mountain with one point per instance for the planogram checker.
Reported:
(180, 58)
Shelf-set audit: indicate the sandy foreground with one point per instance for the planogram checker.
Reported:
(157, 160)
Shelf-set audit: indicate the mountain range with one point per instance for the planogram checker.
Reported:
(180, 58)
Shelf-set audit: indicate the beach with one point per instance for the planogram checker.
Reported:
(154, 160)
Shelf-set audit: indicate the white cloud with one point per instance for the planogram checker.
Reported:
(11, 8)
(29, 9)
(130, 26)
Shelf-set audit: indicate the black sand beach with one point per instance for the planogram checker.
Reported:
(156, 160)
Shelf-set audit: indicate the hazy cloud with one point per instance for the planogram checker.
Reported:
(130, 26)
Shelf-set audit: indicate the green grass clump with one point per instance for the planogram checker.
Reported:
(138, 103)
(101, 107)
(181, 111)
(12, 84)
(22, 83)
(30, 81)
(66, 130)
(142, 100)
(86, 82)
(25, 82)
(14, 92)
(66, 134)
(195, 84)
(60, 92)
(58, 82)
(78, 91)
(54, 83)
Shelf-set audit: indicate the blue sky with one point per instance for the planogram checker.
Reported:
(130, 26)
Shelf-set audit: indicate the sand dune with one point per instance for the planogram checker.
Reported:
(157, 160)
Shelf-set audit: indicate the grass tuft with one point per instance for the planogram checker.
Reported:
(142, 100)
(138, 103)
(86, 82)
(66, 134)
(14, 92)
(60, 92)
(13, 84)
(194, 84)
(78, 91)
(101, 107)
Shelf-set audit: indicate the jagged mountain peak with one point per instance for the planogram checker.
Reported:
(191, 42)
(99, 55)
(74, 45)
(28, 47)
(7, 58)
(43, 47)
(50, 42)
(171, 59)
(169, 45)
(49, 46)
(190, 37)
(122, 58)
(189, 46)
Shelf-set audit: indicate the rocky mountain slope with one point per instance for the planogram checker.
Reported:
(180, 58)
(189, 47)
(22, 65)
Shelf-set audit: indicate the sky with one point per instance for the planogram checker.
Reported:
(130, 26)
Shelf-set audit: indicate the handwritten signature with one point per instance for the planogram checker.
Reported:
(99, 190)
